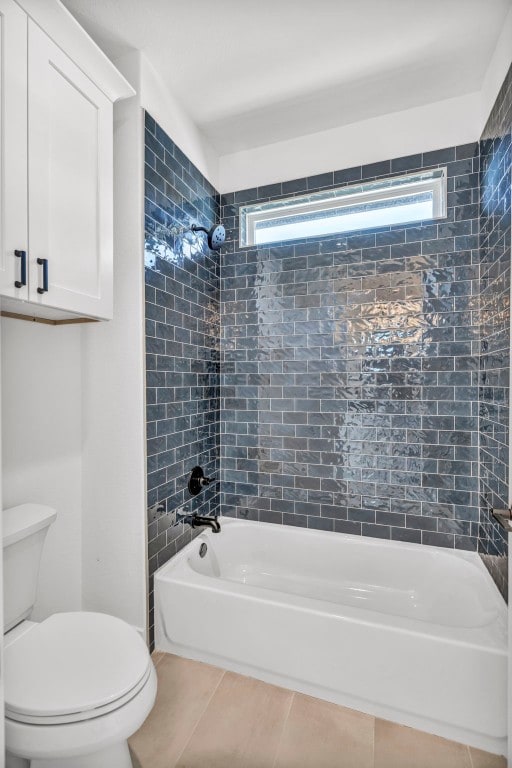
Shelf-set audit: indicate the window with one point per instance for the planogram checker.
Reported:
(383, 203)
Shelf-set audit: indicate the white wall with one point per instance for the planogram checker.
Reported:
(42, 447)
(114, 503)
(509, 751)
(161, 104)
(442, 124)
(420, 129)
(2, 696)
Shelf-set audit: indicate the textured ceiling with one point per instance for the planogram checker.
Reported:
(253, 73)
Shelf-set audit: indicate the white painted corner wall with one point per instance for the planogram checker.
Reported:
(114, 497)
(165, 109)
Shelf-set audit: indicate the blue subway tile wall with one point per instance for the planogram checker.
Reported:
(350, 364)
(495, 216)
(364, 377)
(182, 280)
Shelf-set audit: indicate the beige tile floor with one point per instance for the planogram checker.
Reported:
(205, 717)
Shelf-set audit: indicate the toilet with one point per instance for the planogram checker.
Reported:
(77, 684)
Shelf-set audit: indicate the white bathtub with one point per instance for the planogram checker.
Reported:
(406, 632)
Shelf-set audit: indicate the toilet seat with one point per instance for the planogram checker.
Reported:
(73, 667)
(77, 717)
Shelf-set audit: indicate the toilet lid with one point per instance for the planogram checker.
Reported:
(71, 663)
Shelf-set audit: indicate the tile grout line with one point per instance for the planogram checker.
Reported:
(470, 756)
(285, 720)
(194, 729)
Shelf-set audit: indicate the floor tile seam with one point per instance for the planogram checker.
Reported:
(285, 720)
(200, 717)
(271, 687)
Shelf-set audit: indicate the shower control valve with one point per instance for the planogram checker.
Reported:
(198, 481)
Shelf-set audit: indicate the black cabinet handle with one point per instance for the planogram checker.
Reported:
(44, 264)
(23, 272)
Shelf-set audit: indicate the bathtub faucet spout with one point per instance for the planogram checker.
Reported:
(196, 521)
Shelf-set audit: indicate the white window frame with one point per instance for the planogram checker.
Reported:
(394, 187)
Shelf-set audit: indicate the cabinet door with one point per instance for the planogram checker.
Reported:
(70, 183)
(13, 148)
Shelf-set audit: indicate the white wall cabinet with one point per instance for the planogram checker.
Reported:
(13, 148)
(57, 168)
(70, 137)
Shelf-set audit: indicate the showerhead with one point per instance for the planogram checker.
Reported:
(216, 235)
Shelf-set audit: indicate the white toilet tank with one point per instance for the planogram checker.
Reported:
(24, 530)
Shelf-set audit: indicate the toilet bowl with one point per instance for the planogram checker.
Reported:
(77, 684)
